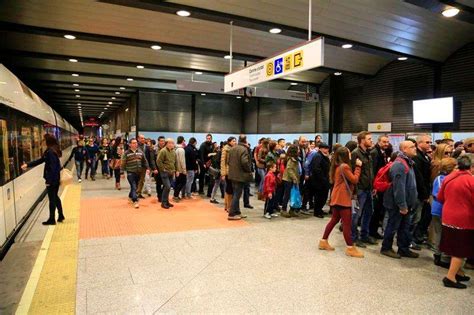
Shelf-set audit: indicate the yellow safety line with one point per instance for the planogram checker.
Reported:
(30, 288)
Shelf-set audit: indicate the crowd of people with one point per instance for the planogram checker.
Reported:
(416, 191)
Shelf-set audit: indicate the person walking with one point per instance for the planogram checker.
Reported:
(205, 149)
(116, 162)
(92, 152)
(80, 155)
(231, 142)
(399, 200)
(104, 155)
(191, 156)
(290, 178)
(181, 176)
(159, 184)
(344, 180)
(457, 237)
(167, 167)
(240, 172)
(269, 189)
(134, 163)
(146, 151)
(215, 172)
(51, 175)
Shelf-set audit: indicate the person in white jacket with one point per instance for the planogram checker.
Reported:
(181, 169)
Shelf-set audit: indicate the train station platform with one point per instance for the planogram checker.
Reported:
(108, 257)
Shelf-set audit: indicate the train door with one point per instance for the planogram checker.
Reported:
(7, 196)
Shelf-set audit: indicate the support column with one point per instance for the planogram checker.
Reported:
(336, 88)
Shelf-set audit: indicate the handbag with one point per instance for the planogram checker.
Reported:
(65, 177)
(295, 197)
(354, 202)
(214, 172)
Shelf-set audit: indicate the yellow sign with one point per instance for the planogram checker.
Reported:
(379, 126)
(288, 64)
(447, 135)
(298, 59)
(269, 69)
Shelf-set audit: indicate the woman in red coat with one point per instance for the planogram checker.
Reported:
(457, 240)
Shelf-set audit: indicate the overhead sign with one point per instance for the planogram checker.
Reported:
(303, 57)
(204, 87)
(380, 127)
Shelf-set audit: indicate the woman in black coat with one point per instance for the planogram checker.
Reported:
(51, 174)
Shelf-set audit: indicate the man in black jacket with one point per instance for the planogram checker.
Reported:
(380, 157)
(191, 155)
(320, 178)
(422, 161)
(204, 150)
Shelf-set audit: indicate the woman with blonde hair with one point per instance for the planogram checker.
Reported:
(442, 151)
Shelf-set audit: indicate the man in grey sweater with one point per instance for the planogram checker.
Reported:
(181, 170)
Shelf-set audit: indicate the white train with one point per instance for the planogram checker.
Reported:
(24, 119)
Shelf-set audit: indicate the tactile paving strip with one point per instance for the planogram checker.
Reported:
(56, 289)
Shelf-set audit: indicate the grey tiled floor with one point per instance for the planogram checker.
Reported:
(268, 267)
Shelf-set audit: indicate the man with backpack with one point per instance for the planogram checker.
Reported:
(399, 200)
(380, 157)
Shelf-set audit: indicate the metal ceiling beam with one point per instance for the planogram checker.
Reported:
(264, 26)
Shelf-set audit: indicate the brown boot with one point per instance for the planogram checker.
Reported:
(354, 252)
(324, 245)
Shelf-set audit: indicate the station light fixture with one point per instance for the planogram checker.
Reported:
(239, 97)
(450, 12)
(75, 84)
(402, 58)
(140, 67)
(156, 47)
(337, 73)
(126, 109)
(129, 79)
(275, 30)
(183, 13)
(122, 88)
(203, 94)
(293, 83)
(117, 93)
(110, 103)
(227, 57)
(77, 90)
(75, 75)
(79, 104)
(113, 97)
(73, 60)
(68, 36)
(346, 46)
(164, 91)
(198, 72)
(77, 95)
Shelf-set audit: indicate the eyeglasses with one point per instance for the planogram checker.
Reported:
(428, 142)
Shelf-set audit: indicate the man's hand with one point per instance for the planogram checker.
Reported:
(404, 211)
(306, 177)
(358, 162)
(177, 174)
(24, 166)
(270, 196)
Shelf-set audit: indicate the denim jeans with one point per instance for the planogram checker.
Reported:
(397, 223)
(270, 204)
(79, 167)
(105, 167)
(189, 182)
(54, 202)
(217, 183)
(261, 172)
(366, 209)
(133, 180)
(91, 166)
(235, 204)
(246, 194)
(181, 181)
(286, 194)
(166, 178)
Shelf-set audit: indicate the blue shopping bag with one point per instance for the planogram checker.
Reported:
(295, 197)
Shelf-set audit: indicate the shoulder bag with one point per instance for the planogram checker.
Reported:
(355, 203)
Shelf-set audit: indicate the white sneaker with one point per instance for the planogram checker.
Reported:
(274, 215)
(267, 215)
(136, 205)
(80, 180)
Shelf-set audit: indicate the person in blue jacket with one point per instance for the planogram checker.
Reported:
(92, 153)
(51, 174)
(80, 155)
(447, 165)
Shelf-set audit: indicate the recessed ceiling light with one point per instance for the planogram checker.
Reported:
(126, 109)
(75, 75)
(122, 88)
(140, 67)
(113, 97)
(203, 94)
(347, 46)
(402, 58)
(129, 79)
(337, 73)
(239, 97)
(77, 90)
(69, 36)
(73, 60)
(198, 72)
(110, 103)
(450, 12)
(164, 91)
(117, 93)
(105, 108)
(79, 104)
(293, 83)
(183, 13)
(75, 84)
(227, 57)
(156, 47)
(275, 30)
(78, 96)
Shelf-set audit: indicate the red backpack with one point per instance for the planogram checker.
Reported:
(382, 180)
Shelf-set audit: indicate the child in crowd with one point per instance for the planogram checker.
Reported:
(269, 191)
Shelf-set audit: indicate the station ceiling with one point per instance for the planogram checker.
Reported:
(113, 37)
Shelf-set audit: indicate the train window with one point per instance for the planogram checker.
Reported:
(25, 143)
(5, 160)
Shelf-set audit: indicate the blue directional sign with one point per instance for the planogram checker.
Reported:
(279, 65)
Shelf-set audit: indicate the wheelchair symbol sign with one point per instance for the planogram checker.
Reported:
(278, 65)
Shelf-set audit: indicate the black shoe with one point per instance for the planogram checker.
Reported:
(49, 222)
(450, 284)
(165, 206)
(369, 240)
(409, 254)
(170, 205)
(377, 236)
(248, 206)
(251, 195)
(319, 215)
(214, 201)
(159, 200)
(360, 244)
(438, 262)
(141, 196)
(390, 253)
(415, 246)
(462, 278)
(93, 179)
(61, 219)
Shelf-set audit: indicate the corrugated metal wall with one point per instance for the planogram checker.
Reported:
(322, 110)
(218, 113)
(457, 80)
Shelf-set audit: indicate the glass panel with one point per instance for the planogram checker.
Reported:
(5, 174)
